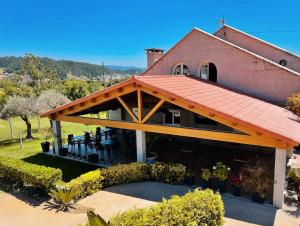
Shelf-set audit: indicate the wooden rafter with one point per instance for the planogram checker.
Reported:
(127, 109)
(153, 110)
(201, 111)
(140, 105)
(93, 101)
(195, 133)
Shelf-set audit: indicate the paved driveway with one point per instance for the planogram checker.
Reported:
(109, 202)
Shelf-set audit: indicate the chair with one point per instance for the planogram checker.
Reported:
(71, 142)
(79, 148)
(87, 142)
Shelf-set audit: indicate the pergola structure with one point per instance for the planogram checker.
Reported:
(253, 122)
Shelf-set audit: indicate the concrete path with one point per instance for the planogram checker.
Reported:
(111, 201)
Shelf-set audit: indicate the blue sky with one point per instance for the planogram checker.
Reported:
(117, 32)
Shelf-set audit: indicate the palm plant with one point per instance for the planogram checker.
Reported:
(64, 197)
(95, 219)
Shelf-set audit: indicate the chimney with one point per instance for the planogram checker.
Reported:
(153, 55)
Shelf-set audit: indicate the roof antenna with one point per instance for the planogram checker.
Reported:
(222, 21)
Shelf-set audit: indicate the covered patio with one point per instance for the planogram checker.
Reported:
(189, 109)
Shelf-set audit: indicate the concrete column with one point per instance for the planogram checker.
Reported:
(279, 177)
(140, 146)
(57, 135)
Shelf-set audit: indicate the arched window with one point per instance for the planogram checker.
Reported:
(208, 71)
(181, 69)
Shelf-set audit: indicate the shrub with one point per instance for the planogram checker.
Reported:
(125, 173)
(201, 207)
(63, 197)
(220, 171)
(168, 172)
(87, 183)
(294, 181)
(205, 174)
(29, 175)
(293, 104)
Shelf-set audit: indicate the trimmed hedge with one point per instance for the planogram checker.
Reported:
(88, 183)
(200, 207)
(172, 173)
(93, 181)
(125, 173)
(29, 175)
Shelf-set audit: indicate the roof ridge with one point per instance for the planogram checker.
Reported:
(259, 39)
(226, 42)
(249, 52)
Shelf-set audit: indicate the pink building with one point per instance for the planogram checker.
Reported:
(232, 59)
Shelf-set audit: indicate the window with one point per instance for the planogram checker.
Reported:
(181, 69)
(283, 62)
(172, 117)
(208, 71)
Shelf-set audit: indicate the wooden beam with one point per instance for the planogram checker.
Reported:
(140, 105)
(153, 110)
(201, 111)
(99, 100)
(127, 109)
(187, 132)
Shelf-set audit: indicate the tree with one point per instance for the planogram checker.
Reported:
(2, 98)
(293, 104)
(43, 75)
(95, 86)
(20, 106)
(75, 89)
(48, 100)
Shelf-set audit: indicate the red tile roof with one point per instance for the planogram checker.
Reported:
(254, 112)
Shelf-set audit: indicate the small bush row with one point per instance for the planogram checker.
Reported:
(125, 173)
(93, 181)
(29, 175)
(200, 207)
(88, 183)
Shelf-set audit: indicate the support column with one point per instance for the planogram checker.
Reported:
(279, 177)
(140, 146)
(57, 135)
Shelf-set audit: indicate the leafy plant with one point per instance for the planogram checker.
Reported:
(47, 133)
(293, 103)
(189, 173)
(236, 180)
(88, 183)
(96, 219)
(256, 178)
(294, 181)
(206, 174)
(29, 175)
(168, 172)
(125, 173)
(220, 171)
(200, 207)
(64, 197)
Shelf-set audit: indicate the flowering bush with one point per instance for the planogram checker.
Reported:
(220, 171)
(236, 180)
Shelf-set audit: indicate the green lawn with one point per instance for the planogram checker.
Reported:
(32, 148)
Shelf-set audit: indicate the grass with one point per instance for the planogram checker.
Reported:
(31, 151)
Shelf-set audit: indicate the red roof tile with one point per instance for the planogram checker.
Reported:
(252, 111)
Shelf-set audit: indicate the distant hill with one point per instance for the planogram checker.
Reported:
(12, 64)
(133, 70)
